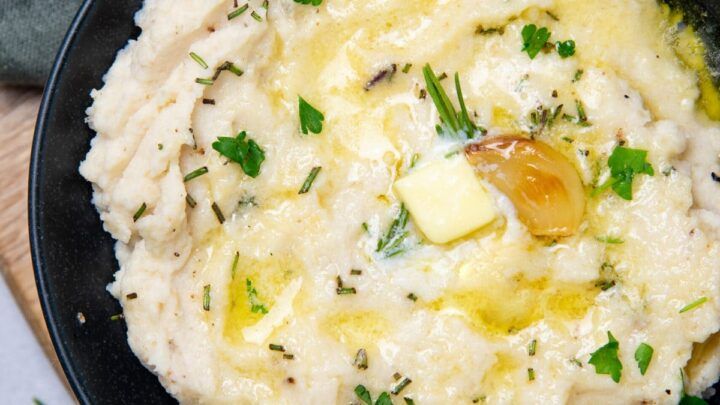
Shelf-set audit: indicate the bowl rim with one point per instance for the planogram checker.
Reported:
(34, 204)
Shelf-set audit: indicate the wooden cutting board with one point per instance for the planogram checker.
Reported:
(18, 109)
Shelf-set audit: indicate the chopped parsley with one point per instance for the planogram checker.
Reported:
(309, 180)
(456, 124)
(200, 61)
(363, 394)
(139, 212)
(693, 305)
(391, 244)
(206, 297)
(247, 153)
(625, 164)
(195, 173)
(310, 118)
(534, 39)
(605, 359)
(256, 307)
(643, 355)
(237, 12)
(565, 48)
(312, 2)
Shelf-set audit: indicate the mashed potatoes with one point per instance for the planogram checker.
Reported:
(237, 288)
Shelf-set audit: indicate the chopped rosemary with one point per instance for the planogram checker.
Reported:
(200, 61)
(233, 268)
(230, 67)
(288, 356)
(346, 290)
(412, 297)
(238, 12)
(355, 272)
(693, 304)
(206, 297)
(195, 173)
(531, 374)
(401, 385)
(206, 82)
(256, 306)
(277, 348)
(414, 159)
(361, 360)
(218, 213)
(131, 296)
(457, 124)
(208, 101)
(610, 240)
(139, 212)
(396, 376)
(532, 347)
(582, 117)
(407, 67)
(190, 201)
(309, 180)
(391, 244)
(256, 16)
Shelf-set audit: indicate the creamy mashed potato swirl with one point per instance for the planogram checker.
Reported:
(217, 268)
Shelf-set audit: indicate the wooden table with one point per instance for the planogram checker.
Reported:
(18, 109)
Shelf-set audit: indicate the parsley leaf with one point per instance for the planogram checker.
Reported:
(565, 48)
(686, 399)
(643, 355)
(454, 123)
(384, 399)
(605, 359)
(363, 394)
(313, 2)
(534, 39)
(310, 118)
(624, 164)
(256, 307)
(391, 244)
(247, 153)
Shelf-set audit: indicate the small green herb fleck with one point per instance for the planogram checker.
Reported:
(414, 159)
(195, 173)
(246, 153)
(206, 82)
(200, 61)
(363, 394)
(256, 16)
(276, 348)
(582, 117)
(237, 12)
(361, 360)
(534, 39)
(643, 355)
(206, 297)
(310, 118)
(355, 272)
(578, 75)
(365, 227)
(218, 213)
(455, 124)
(391, 244)
(160, 146)
(190, 201)
(309, 180)
(408, 401)
(531, 374)
(139, 212)
(117, 317)
(565, 48)
(401, 385)
(384, 399)
(567, 139)
(37, 401)
(625, 164)
(313, 2)
(610, 240)
(605, 359)
(693, 305)
(346, 290)
(407, 67)
(233, 268)
(256, 306)
(412, 297)
(532, 347)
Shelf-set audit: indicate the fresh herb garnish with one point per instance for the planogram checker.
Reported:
(131, 296)
(391, 244)
(532, 347)
(205, 82)
(206, 101)
(408, 401)
(195, 173)
(582, 117)
(233, 268)
(453, 123)
(288, 356)
(310, 118)
(407, 67)
(238, 12)
(218, 213)
(276, 348)
(117, 317)
(534, 39)
(37, 401)
(363, 394)
(531, 374)
(346, 290)
(412, 297)
(625, 164)
(230, 67)
(256, 307)
(401, 385)
(256, 16)
(643, 355)
(206, 297)
(414, 159)
(355, 272)
(309, 180)
(384, 399)
(247, 153)
(190, 201)
(694, 304)
(200, 61)
(383, 74)
(605, 359)
(139, 212)
(361, 360)
(313, 2)
(578, 75)
(610, 240)
(565, 48)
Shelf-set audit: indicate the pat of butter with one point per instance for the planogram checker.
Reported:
(446, 199)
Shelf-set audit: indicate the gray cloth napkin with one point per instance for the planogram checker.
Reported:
(30, 34)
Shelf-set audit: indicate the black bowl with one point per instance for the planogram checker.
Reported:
(72, 255)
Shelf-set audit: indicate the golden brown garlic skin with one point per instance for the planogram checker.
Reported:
(542, 184)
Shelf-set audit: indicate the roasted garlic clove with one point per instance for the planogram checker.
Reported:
(542, 184)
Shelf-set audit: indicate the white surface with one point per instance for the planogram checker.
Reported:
(29, 373)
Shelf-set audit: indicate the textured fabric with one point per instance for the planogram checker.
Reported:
(30, 34)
